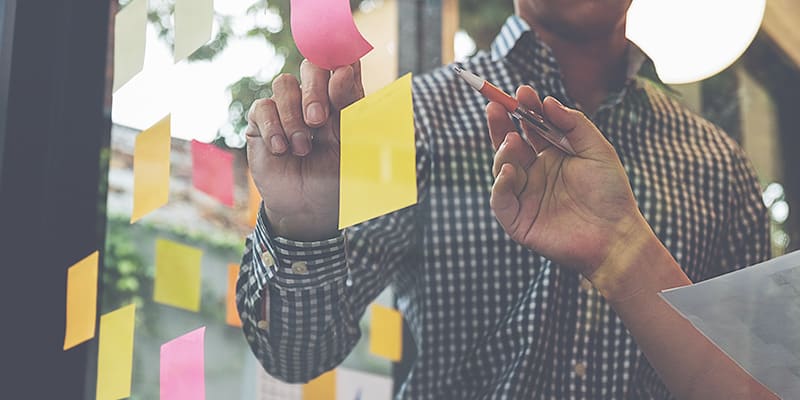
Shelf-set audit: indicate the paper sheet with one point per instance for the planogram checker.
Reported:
(754, 316)
(356, 385)
(270, 388)
(115, 354)
(378, 172)
(151, 169)
(81, 301)
(325, 33)
(129, 41)
(231, 314)
(212, 171)
(182, 372)
(193, 22)
(177, 281)
(386, 333)
(322, 387)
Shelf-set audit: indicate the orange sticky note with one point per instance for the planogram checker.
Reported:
(378, 172)
(177, 281)
(115, 354)
(231, 313)
(81, 301)
(322, 387)
(151, 169)
(253, 201)
(386, 333)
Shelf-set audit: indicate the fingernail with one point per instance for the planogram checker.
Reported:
(315, 113)
(563, 107)
(300, 143)
(278, 144)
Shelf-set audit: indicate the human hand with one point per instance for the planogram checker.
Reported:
(576, 210)
(293, 148)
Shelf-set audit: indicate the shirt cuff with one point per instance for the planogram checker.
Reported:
(292, 264)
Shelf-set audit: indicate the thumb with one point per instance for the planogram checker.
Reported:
(584, 137)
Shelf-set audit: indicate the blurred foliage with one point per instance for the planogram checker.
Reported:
(482, 19)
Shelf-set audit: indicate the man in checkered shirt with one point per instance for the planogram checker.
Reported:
(488, 318)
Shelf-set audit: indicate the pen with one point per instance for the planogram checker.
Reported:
(544, 128)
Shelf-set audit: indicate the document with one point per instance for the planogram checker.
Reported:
(753, 315)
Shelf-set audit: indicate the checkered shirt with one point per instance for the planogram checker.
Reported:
(489, 318)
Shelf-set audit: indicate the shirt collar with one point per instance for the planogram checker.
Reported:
(515, 29)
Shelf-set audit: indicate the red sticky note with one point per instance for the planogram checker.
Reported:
(182, 367)
(212, 171)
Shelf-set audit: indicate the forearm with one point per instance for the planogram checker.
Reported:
(690, 365)
(294, 307)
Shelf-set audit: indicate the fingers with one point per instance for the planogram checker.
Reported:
(345, 86)
(582, 134)
(315, 93)
(264, 125)
(504, 200)
(288, 99)
(514, 151)
(499, 123)
(529, 99)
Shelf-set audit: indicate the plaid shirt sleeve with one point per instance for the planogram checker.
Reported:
(746, 241)
(300, 302)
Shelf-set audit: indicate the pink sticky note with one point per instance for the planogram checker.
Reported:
(182, 367)
(212, 171)
(326, 34)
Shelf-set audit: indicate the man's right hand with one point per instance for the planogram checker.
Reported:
(293, 149)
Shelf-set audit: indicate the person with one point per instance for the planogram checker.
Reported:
(488, 317)
(540, 196)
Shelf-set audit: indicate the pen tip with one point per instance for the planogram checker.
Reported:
(458, 69)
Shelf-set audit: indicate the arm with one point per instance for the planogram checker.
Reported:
(541, 198)
(299, 314)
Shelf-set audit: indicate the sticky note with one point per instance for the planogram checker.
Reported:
(386, 333)
(129, 41)
(151, 169)
(81, 301)
(177, 281)
(378, 172)
(212, 171)
(231, 312)
(253, 200)
(115, 354)
(322, 387)
(193, 21)
(325, 33)
(182, 372)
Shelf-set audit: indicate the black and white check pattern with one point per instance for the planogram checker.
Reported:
(489, 318)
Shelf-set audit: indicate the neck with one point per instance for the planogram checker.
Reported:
(591, 68)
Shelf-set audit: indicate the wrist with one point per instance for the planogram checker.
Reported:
(302, 227)
(624, 271)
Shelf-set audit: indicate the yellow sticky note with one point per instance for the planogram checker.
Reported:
(81, 301)
(386, 333)
(231, 313)
(151, 169)
(115, 354)
(378, 172)
(177, 281)
(193, 20)
(322, 387)
(129, 41)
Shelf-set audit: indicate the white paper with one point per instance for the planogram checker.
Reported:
(270, 388)
(355, 385)
(753, 315)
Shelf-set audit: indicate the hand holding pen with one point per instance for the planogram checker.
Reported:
(528, 116)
